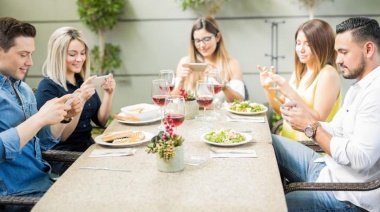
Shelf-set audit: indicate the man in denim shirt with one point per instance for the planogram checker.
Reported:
(24, 131)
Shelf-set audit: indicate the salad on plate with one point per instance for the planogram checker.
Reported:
(246, 107)
(225, 136)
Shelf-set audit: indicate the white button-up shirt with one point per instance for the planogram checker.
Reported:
(355, 146)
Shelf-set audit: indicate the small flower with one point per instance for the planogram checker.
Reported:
(165, 142)
(187, 95)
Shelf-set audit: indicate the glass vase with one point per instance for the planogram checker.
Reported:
(175, 164)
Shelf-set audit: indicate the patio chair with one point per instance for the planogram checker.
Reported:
(313, 186)
(49, 156)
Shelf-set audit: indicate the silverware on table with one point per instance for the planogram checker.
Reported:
(104, 169)
(234, 151)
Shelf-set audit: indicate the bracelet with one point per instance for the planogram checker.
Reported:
(66, 120)
(225, 86)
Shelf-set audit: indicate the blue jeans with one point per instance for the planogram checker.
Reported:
(296, 163)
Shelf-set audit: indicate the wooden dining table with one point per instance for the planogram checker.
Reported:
(218, 184)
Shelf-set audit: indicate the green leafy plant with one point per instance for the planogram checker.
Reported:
(111, 59)
(310, 5)
(99, 15)
(211, 6)
(164, 142)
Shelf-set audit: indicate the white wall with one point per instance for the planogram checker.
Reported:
(154, 35)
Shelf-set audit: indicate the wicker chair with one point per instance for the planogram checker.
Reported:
(312, 186)
(50, 156)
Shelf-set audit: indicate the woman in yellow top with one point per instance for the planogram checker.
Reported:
(315, 83)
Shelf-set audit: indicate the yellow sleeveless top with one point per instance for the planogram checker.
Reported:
(308, 96)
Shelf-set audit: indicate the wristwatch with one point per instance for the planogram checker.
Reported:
(311, 129)
(66, 120)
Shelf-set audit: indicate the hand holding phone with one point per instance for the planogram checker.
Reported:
(69, 101)
(198, 66)
(100, 80)
(278, 102)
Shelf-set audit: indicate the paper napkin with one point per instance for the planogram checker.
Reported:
(246, 119)
(233, 154)
(112, 152)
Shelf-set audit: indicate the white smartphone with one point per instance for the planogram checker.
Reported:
(278, 102)
(69, 101)
(198, 66)
(98, 81)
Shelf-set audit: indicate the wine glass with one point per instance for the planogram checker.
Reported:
(169, 76)
(214, 77)
(159, 91)
(174, 110)
(204, 94)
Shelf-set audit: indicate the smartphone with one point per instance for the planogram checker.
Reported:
(98, 81)
(278, 102)
(198, 66)
(69, 101)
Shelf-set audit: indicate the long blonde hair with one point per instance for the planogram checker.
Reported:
(222, 57)
(321, 39)
(55, 63)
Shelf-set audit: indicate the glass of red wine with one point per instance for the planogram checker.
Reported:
(215, 77)
(204, 94)
(174, 110)
(169, 76)
(159, 91)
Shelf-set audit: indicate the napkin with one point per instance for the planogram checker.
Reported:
(248, 153)
(112, 152)
(245, 119)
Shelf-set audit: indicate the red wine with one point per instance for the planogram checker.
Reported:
(205, 101)
(176, 117)
(159, 100)
(217, 88)
(171, 87)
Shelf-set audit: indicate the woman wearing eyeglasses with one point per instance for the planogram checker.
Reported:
(207, 46)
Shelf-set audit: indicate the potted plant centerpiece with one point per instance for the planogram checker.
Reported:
(169, 149)
(191, 106)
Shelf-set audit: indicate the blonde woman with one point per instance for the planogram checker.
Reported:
(207, 46)
(66, 66)
(315, 83)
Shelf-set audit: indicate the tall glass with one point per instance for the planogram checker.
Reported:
(204, 94)
(169, 76)
(215, 77)
(174, 110)
(159, 91)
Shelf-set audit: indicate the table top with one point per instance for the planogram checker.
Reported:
(219, 184)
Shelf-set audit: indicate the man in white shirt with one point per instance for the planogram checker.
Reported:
(351, 140)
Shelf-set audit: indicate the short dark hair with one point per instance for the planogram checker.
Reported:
(363, 29)
(11, 28)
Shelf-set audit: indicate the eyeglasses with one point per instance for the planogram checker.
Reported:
(205, 40)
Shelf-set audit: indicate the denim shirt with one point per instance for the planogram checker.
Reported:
(22, 171)
(80, 139)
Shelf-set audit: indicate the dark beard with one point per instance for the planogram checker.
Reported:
(355, 73)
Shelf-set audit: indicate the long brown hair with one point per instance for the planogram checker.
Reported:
(321, 39)
(222, 57)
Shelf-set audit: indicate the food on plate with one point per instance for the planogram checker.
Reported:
(136, 110)
(225, 136)
(123, 117)
(128, 136)
(246, 106)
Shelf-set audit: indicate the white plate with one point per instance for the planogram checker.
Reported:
(138, 122)
(148, 137)
(247, 113)
(248, 138)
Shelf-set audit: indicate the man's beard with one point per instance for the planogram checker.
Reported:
(356, 72)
